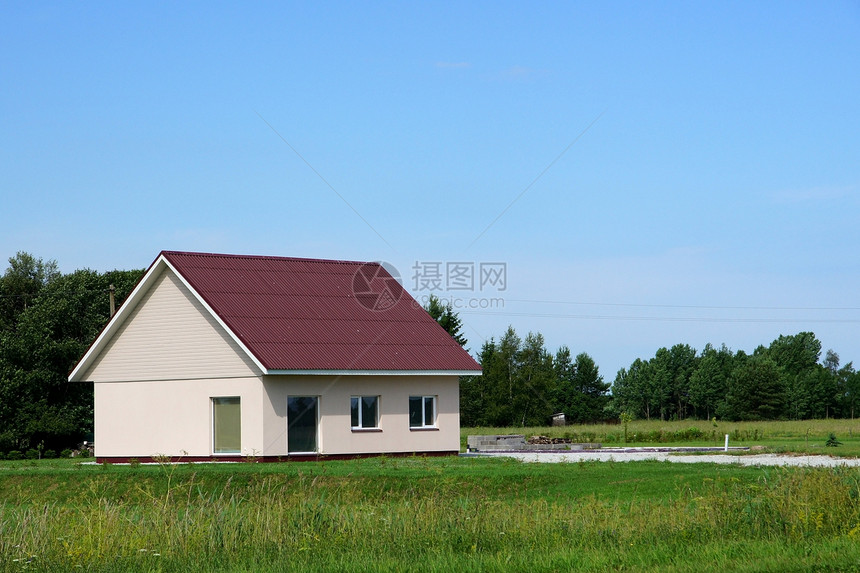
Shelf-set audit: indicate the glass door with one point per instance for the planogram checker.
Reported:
(302, 424)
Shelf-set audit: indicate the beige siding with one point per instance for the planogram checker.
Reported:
(170, 336)
(142, 419)
(335, 433)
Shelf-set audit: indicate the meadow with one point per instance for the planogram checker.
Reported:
(428, 514)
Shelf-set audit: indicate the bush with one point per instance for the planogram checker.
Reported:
(49, 454)
(67, 453)
(2, 455)
(14, 455)
(32, 454)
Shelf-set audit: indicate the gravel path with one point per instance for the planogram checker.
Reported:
(749, 460)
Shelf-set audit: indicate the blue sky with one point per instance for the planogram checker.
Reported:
(679, 172)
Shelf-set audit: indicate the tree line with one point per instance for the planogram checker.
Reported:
(47, 321)
(785, 380)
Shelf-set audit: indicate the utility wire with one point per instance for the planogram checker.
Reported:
(664, 318)
(685, 306)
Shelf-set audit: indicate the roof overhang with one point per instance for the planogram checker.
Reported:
(373, 372)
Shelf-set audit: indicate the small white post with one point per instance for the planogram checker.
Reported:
(727, 443)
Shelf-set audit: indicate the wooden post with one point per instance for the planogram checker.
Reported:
(112, 290)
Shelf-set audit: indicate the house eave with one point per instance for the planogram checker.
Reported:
(300, 372)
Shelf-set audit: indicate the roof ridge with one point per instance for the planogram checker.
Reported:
(266, 257)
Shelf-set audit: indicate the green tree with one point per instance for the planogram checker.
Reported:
(20, 284)
(534, 383)
(633, 392)
(851, 388)
(449, 320)
(797, 358)
(37, 403)
(565, 394)
(684, 362)
(590, 390)
(754, 390)
(708, 381)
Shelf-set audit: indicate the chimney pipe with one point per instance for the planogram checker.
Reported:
(112, 290)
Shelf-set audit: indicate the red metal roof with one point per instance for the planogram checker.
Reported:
(310, 314)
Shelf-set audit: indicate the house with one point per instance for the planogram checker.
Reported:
(226, 357)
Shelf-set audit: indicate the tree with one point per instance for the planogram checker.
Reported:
(708, 380)
(475, 392)
(851, 384)
(518, 385)
(797, 358)
(449, 320)
(754, 391)
(831, 361)
(591, 391)
(564, 395)
(37, 403)
(534, 383)
(20, 285)
(683, 362)
(632, 390)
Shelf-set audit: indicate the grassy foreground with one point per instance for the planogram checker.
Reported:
(417, 514)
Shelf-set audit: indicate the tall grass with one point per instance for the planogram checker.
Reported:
(317, 522)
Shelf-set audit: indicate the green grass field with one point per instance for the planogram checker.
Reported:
(427, 514)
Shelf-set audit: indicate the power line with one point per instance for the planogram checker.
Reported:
(665, 318)
(685, 306)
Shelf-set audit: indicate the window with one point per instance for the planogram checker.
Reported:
(364, 412)
(422, 411)
(226, 425)
(302, 424)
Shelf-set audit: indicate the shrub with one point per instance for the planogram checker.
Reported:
(49, 454)
(32, 454)
(14, 455)
(66, 453)
(2, 455)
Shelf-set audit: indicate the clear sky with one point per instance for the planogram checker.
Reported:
(649, 172)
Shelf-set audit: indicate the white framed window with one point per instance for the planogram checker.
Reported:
(364, 412)
(422, 411)
(226, 425)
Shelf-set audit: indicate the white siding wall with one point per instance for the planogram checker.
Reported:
(141, 419)
(335, 433)
(169, 336)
